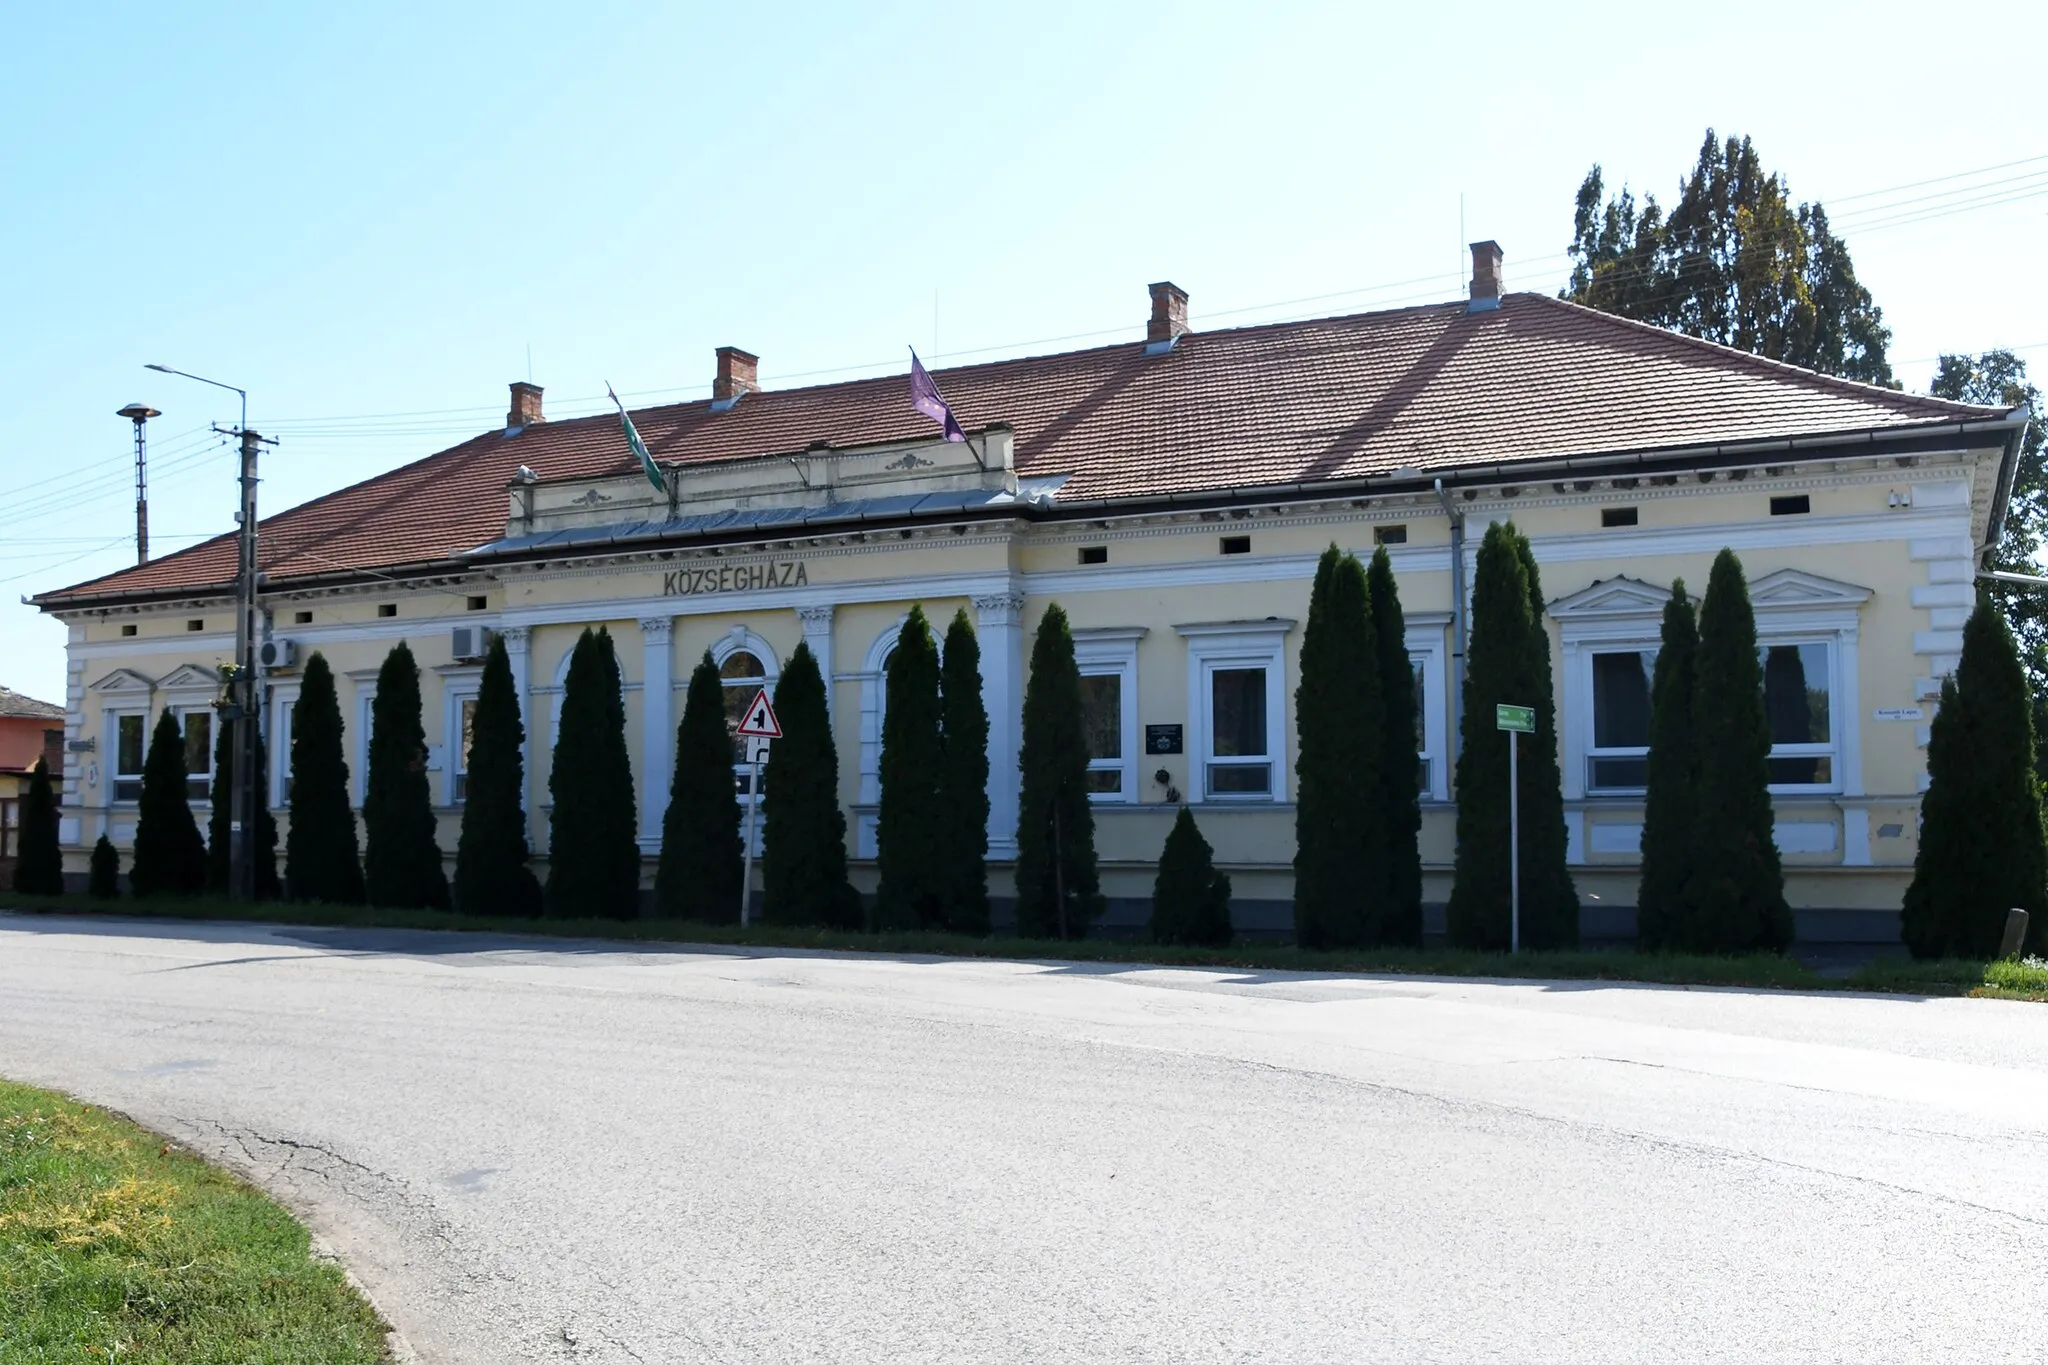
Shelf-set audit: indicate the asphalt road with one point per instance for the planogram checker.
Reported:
(538, 1151)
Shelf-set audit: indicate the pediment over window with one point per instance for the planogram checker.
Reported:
(1611, 597)
(190, 678)
(1796, 588)
(125, 681)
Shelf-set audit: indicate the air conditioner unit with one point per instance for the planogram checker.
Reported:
(470, 643)
(276, 655)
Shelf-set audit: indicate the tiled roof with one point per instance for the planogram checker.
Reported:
(15, 706)
(1432, 389)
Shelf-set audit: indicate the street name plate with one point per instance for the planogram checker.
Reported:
(1522, 718)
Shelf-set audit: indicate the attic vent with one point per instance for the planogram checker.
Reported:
(1095, 554)
(387, 608)
(1390, 535)
(128, 630)
(196, 624)
(1235, 545)
(1791, 505)
(1617, 516)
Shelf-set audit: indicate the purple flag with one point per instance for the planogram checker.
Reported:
(925, 397)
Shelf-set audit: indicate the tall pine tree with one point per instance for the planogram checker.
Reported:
(803, 828)
(170, 857)
(1981, 847)
(1671, 805)
(702, 859)
(912, 826)
(1340, 863)
(1734, 898)
(964, 720)
(491, 872)
(1059, 894)
(321, 862)
(593, 844)
(39, 864)
(220, 823)
(401, 854)
(1400, 804)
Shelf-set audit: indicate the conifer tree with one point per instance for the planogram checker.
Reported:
(220, 822)
(912, 824)
(702, 859)
(1190, 898)
(103, 881)
(1671, 804)
(1508, 661)
(1400, 804)
(1340, 864)
(803, 830)
(1058, 891)
(1981, 847)
(170, 857)
(321, 861)
(401, 854)
(1734, 898)
(964, 842)
(491, 872)
(594, 850)
(39, 865)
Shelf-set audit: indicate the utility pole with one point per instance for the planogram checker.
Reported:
(140, 413)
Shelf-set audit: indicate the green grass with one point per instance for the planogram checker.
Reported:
(115, 1245)
(2004, 979)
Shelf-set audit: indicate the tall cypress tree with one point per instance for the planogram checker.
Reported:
(1400, 803)
(1981, 847)
(220, 822)
(1734, 898)
(803, 829)
(1190, 898)
(594, 850)
(1340, 864)
(401, 854)
(491, 873)
(702, 859)
(912, 825)
(321, 862)
(1508, 661)
(1058, 891)
(964, 843)
(39, 866)
(1671, 805)
(170, 857)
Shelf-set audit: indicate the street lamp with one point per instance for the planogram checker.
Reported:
(240, 712)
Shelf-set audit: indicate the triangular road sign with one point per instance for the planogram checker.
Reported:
(760, 719)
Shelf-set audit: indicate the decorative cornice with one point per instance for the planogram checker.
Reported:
(999, 609)
(817, 620)
(657, 627)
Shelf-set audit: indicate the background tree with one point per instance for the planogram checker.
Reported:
(220, 820)
(702, 860)
(1981, 845)
(1671, 804)
(594, 850)
(1734, 899)
(803, 829)
(1190, 898)
(401, 853)
(39, 867)
(321, 862)
(491, 872)
(964, 720)
(912, 824)
(1058, 894)
(170, 857)
(1400, 802)
(1735, 262)
(1508, 661)
(103, 881)
(1340, 863)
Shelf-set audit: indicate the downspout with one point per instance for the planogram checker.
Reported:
(1457, 729)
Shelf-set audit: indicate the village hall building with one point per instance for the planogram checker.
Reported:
(1172, 494)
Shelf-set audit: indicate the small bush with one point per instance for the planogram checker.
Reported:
(104, 883)
(1190, 898)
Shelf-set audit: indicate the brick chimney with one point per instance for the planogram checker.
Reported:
(738, 373)
(525, 405)
(1486, 258)
(1169, 316)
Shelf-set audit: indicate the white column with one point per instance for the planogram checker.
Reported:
(999, 628)
(817, 624)
(657, 729)
(518, 640)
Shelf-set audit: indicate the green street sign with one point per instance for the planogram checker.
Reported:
(1522, 718)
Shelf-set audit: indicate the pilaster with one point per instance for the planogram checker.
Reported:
(999, 628)
(658, 731)
(817, 626)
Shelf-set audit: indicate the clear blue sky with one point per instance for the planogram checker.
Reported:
(376, 209)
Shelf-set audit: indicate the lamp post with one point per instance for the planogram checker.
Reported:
(241, 709)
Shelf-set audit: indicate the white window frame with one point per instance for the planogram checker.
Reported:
(283, 698)
(366, 721)
(1594, 751)
(1424, 636)
(1235, 645)
(1112, 652)
(111, 717)
(458, 685)
(1832, 750)
(179, 713)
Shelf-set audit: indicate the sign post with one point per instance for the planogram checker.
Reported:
(759, 728)
(1517, 721)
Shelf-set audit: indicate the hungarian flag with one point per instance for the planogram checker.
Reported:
(925, 397)
(639, 448)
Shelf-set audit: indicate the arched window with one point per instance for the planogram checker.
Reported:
(743, 676)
